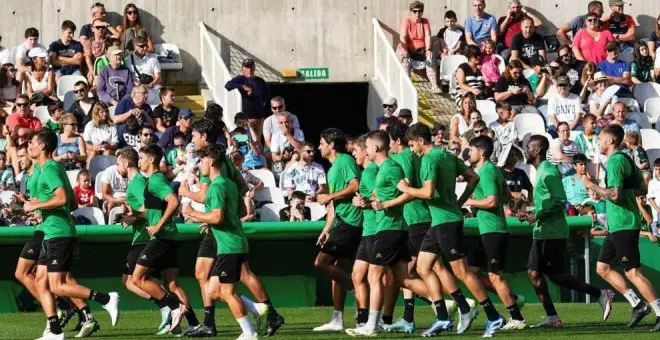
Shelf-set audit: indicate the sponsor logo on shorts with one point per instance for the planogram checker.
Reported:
(493, 261)
(54, 262)
(549, 264)
(143, 257)
(223, 274)
(453, 252)
(30, 251)
(624, 259)
(379, 256)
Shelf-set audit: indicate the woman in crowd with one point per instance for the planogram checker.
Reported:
(469, 78)
(458, 124)
(130, 27)
(514, 89)
(8, 83)
(40, 79)
(654, 39)
(94, 47)
(100, 133)
(641, 69)
(600, 83)
(71, 150)
(589, 43)
(585, 86)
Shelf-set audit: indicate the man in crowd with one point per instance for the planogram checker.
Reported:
(145, 68)
(98, 13)
(405, 117)
(183, 126)
(622, 26)
(254, 91)
(116, 81)
(271, 125)
(527, 44)
(481, 25)
(82, 106)
(579, 22)
(305, 175)
(617, 71)
(510, 25)
(23, 61)
(288, 136)
(166, 114)
(136, 106)
(113, 186)
(66, 54)
(22, 117)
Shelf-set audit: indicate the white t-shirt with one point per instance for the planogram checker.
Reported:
(22, 50)
(112, 177)
(271, 126)
(278, 142)
(505, 134)
(97, 135)
(452, 38)
(146, 65)
(654, 193)
(564, 108)
(5, 55)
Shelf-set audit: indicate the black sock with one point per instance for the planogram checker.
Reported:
(409, 310)
(171, 301)
(514, 311)
(54, 325)
(161, 303)
(209, 316)
(490, 310)
(271, 308)
(542, 292)
(363, 315)
(81, 316)
(87, 313)
(441, 310)
(459, 298)
(99, 297)
(191, 317)
(387, 319)
(62, 303)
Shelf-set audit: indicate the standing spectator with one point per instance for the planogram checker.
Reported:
(654, 39)
(622, 26)
(271, 127)
(131, 27)
(469, 78)
(564, 106)
(183, 127)
(82, 106)
(587, 141)
(589, 43)
(166, 114)
(114, 181)
(576, 193)
(100, 133)
(641, 69)
(415, 43)
(513, 88)
(39, 78)
(5, 55)
(22, 117)
(527, 44)
(287, 137)
(84, 191)
(490, 63)
(620, 114)
(305, 175)
(145, 68)
(511, 24)
(600, 83)
(136, 106)
(458, 125)
(481, 25)
(115, 81)
(71, 149)
(94, 46)
(579, 22)
(617, 71)
(562, 149)
(6, 174)
(452, 37)
(390, 107)
(254, 91)
(23, 60)
(66, 54)
(128, 134)
(98, 14)
(9, 86)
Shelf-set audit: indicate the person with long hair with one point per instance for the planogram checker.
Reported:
(641, 69)
(71, 148)
(654, 39)
(100, 133)
(513, 88)
(469, 78)
(131, 26)
(459, 123)
(40, 78)
(9, 86)
(585, 87)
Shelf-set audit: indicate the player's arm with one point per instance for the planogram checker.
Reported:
(489, 202)
(329, 220)
(352, 187)
(212, 218)
(57, 201)
(425, 192)
(472, 180)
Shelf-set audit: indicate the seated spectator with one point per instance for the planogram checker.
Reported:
(39, 78)
(632, 145)
(82, 106)
(288, 136)
(113, 186)
(66, 54)
(136, 106)
(6, 174)
(589, 43)
(244, 139)
(24, 172)
(481, 25)
(145, 68)
(213, 115)
(478, 128)
(23, 59)
(55, 111)
(600, 83)
(98, 20)
(405, 117)
(620, 115)
(9, 86)
(128, 134)
(165, 114)
(641, 69)
(100, 133)
(451, 37)
(183, 127)
(574, 67)
(104, 61)
(511, 25)
(131, 27)
(653, 194)
(647, 229)
(514, 89)
(654, 39)
(527, 44)
(564, 106)
(585, 85)
(415, 43)
(458, 124)
(622, 26)
(147, 137)
(5, 54)
(71, 150)
(252, 181)
(579, 22)
(177, 158)
(541, 80)
(516, 179)
(84, 191)
(503, 128)
(305, 175)
(587, 141)
(469, 78)
(3, 133)
(562, 149)
(271, 127)
(576, 193)
(22, 117)
(617, 71)
(490, 64)
(94, 46)
(254, 91)
(115, 81)
(514, 206)
(439, 133)
(296, 211)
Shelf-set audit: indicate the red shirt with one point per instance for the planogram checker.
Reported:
(15, 120)
(512, 29)
(621, 26)
(83, 196)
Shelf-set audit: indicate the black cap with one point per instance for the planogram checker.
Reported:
(537, 60)
(248, 62)
(405, 113)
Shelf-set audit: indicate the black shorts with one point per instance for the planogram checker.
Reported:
(416, 233)
(445, 239)
(621, 248)
(489, 252)
(390, 247)
(228, 267)
(548, 256)
(365, 248)
(159, 254)
(32, 247)
(343, 241)
(59, 253)
(207, 246)
(132, 258)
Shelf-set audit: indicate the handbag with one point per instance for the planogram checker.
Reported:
(143, 78)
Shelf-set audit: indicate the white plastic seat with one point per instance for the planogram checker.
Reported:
(653, 155)
(529, 170)
(160, 48)
(646, 91)
(460, 188)
(100, 163)
(95, 215)
(448, 66)
(266, 176)
(42, 114)
(529, 123)
(6, 196)
(98, 186)
(269, 194)
(318, 210)
(73, 177)
(641, 119)
(116, 211)
(652, 109)
(650, 138)
(271, 212)
(488, 111)
(502, 65)
(66, 84)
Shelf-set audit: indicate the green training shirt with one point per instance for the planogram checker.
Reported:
(229, 235)
(442, 167)
(622, 173)
(367, 186)
(550, 204)
(389, 175)
(56, 222)
(135, 199)
(154, 203)
(491, 183)
(343, 170)
(32, 182)
(415, 211)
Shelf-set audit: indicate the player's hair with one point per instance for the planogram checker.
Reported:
(206, 127)
(154, 151)
(615, 131)
(129, 154)
(335, 137)
(397, 131)
(483, 143)
(451, 15)
(361, 142)
(215, 152)
(48, 138)
(382, 140)
(543, 142)
(299, 195)
(419, 130)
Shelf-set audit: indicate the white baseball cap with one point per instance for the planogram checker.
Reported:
(37, 52)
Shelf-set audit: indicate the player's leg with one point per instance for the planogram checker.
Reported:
(476, 259)
(359, 276)
(391, 289)
(47, 301)
(170, 276)
(535, 267)
(203, 265)
(25, 274)
(328, 264)
(87, 324)
(274, 320)
(228, 272)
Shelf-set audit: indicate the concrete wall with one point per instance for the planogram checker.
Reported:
(281, 33)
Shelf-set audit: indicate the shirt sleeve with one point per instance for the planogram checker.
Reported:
(321, 177)
(468, 26)
(426, 171)
(493, 24)
(552, 102)
(268, 125)
(215, 197)
(488, 183)
(87, 133)
(556, 199)
(275, 143)
(516, 42)
(106, 176)
(55, 180)
(156, 64)
(299, 135)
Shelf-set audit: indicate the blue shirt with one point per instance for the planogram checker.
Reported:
(480, 29)
(254, 104)
(615, 69)
(126, 105)
(68, 51)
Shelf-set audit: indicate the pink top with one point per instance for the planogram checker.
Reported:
(415, 31)
(592, 50)
(490, 68)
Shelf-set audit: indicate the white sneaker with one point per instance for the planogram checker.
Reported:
(512, 324)
(549, 322)
(113, 307)
(176, 315)
(46, 330)
(51, 336)
(88, 327)
(361, 331)
(471, 303)
(605, 302)
(465, 320)
(244, 336)
(163, 328)
(332, 326)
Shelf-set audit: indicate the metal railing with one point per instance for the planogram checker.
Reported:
(216, 74)
(388, 69)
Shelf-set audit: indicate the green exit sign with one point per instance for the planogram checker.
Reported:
(313, 73)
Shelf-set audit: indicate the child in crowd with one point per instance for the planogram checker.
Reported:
(647, 229)
(597, 229)
(599, 207)
(6, 174)
(55, 111)
(490, 64)
(633, 143)
(503, 128)
(84, 191)
(439, 133)
(587, 141)
(252, 181)
(452, 37)
(296, 211)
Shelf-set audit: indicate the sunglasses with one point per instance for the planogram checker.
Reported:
(479, 130)
(99, 27)
(141, 46)
(69, 124)
(131, 12)
(385, 106)
(79, 91)
(417, 11)
(147, 134)
(22, 104)
(592, 20)
(277, 107)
